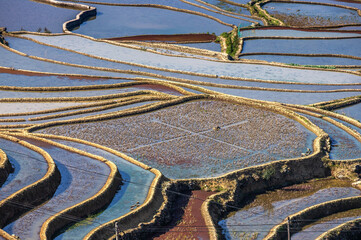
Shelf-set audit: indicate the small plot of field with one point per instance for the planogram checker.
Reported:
(78, 183)
(343, 145)
(302, 46)
(308, 61)
(187, 220)
(295, 14)
(315, 229)
(19, 107)
(23, 79)
(353, 111)
(264, 211)
(208, 46)
(47, 17)
(353, 3)
(227, 6)
(183, 141)
(279, 32)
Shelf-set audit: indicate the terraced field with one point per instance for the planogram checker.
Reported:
(180, 119)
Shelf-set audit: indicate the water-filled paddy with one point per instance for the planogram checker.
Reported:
(32, 16)
(296, 14)
(135, 189)
(139, 21)
(322, 225)
(269, 32)
(16, 61)
(196, 65)
(284, 97)
(29, 166)
(68, 114)
(343, 145)
(351, 3)
(353, 111)
(23, 80)
(176, 138)
(304, 60)
(208, 46)
(82, 177)
(303, 46)
(267, 210)
(227, 6)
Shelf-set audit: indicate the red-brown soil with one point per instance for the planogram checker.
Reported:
(191, 224)
(177, 38)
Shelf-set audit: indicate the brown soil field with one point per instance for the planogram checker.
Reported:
(188, 222)
(178, 38)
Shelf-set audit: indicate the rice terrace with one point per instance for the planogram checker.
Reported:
(180, 119)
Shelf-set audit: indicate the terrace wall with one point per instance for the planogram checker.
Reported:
(35, 193)
(349, 230)
(314, 212)
(85, 208)
(240, 184)
(5, 167)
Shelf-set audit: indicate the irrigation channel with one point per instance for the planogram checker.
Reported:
(182, 119)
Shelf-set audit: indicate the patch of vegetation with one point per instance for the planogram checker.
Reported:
(313, 66)
(232, 42)
(268, 173)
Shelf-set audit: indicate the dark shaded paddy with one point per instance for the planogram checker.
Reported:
(32, 16)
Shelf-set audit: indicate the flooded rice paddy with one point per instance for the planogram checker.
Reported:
(173, 121)
(266, 210)
(297, 14)
(76, 186)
